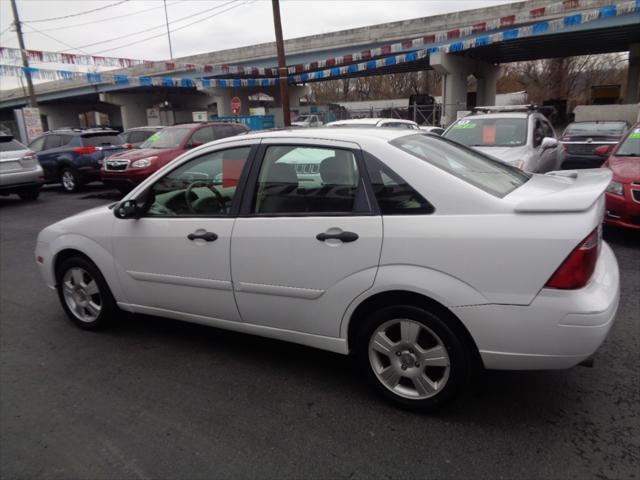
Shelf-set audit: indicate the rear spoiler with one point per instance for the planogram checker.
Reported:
(580, 195)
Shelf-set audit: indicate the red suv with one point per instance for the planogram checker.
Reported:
(126, 170)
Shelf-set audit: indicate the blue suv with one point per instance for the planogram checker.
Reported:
(73, 157)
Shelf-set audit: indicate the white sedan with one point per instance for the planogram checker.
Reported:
(421, 257)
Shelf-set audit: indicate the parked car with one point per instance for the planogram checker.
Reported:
(307, 121)
(73, 156)
(375, 122)
(134, 137)
(20, 171)
(432, 129)
(127, 169)
(587, 144)
(519, 136)
(623, 193)
(230, 235)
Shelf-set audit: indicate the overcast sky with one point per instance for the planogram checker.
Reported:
(221, 24)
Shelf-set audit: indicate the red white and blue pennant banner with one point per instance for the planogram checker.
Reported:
(365, 55)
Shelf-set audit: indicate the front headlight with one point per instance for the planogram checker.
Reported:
(143, 162)
(615, 187)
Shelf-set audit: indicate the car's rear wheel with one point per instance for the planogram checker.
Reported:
(31, 193)
(412, 357)
(84, 294)
(70, 180)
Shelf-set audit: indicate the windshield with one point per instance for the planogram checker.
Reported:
(595, 128)
(10, 145)
(167, 138)
(473, 167)
(631, 146)
(489, 132)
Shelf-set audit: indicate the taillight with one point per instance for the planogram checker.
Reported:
(578, 267)
(85, 150)
(128, 146)
(565, 147)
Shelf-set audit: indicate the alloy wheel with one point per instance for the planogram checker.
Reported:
(68, 180)
(82, 294)
(409, 359)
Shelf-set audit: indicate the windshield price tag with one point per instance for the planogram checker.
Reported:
(635, 133)
(464, 124)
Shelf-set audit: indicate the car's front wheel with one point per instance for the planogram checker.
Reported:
(412, 356)
(70, 180)
(84, 294)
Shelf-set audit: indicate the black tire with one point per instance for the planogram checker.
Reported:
(459, 361)
(31, 193)
(71, 185)
(108, 307)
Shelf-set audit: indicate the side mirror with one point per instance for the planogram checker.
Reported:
(194, 144)
(549, 142)
(134, 207)
(126, 209)
(602, 150)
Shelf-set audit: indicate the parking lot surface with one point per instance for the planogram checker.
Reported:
(155, 398)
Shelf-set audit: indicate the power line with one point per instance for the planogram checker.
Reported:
(56, 39)
(174, 30)
(77, 14)
(115, 17)
(156, 27)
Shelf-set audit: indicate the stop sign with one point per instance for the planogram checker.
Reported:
(235, 105)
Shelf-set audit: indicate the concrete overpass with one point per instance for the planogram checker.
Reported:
(601, 34)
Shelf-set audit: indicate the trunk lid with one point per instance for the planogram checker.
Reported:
(561, 191)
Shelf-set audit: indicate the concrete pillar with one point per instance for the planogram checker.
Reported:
(632, 93)
(487, 77)
(455, 70)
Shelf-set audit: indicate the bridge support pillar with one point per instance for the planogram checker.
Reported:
(455, 70)
(632, 93)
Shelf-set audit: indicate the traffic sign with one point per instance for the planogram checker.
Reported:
(235, 105)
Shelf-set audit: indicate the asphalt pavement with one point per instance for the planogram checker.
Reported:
(156, 398)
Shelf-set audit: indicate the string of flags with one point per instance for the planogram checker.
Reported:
(310, 72)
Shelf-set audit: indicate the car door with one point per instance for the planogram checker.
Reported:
(175, 259)
(48, 156)
(306, 242)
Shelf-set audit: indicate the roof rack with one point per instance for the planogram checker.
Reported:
(505, 108)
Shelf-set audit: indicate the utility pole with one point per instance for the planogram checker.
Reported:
(166, 17)
(23, 53)
(283, 74)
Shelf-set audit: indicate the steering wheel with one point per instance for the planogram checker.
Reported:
(216, 194)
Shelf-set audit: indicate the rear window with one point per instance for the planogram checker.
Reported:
(10, 145)
(489, 132)
(595, 128)
(490, 175)
(97, 140)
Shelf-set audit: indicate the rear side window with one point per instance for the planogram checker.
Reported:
(53, 141)
(224, 131)
(101, 139)
(311, 180)
(202, 136)
(393, 194)
(490, 175)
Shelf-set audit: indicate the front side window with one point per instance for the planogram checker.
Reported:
(393, 194)
(489, 132)
(202, 136)
(492, 176)
(203, 186)
(297, 180)
(167, 138)
(52, 141)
